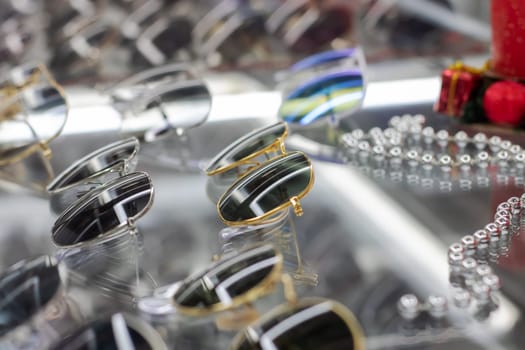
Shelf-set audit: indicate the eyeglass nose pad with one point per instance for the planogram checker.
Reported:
(296, 205)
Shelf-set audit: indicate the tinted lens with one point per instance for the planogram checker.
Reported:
(331, 95)
(262, 191)
(322, 59)
(307, 326)
(96, 162)
(180, 105)
(223, 283)
(25, 288)
(130, 88)
(252, 143)
(104, 210)
(115, 333)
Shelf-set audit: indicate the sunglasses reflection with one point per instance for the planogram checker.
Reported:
(35, 301)
(99, 241)
(281, 232)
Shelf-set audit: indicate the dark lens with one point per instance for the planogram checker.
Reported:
(327, 96)
(307, 326)
(232, 277)
(102, 159)
(25, 288)
(113, 333)
(247, 145)
(104, 209)
(267, 188)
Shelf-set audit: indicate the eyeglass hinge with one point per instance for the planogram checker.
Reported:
(296, 205)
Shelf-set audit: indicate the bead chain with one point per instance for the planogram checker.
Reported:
(407, 150)
(422, 156)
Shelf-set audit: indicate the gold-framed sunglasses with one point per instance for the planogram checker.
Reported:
(32, 114)
(244, 151)
(260, 194)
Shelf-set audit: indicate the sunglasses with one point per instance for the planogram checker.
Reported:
(94, 169)
(263, 192)
(310, 323)
(118, 331)
(328, 97)
(166, 108)
(105, 212)
(132, 87)
(32, 114)
(262, 141)
(26, 288)
(230, 282)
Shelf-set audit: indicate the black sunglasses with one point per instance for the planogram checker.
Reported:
(232, 281)
(267, 190)
(104, 212)
(119, 331)
(92, 170)
(306, 324)
(25, 289)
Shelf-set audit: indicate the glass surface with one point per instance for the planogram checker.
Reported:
(245, 146)
(229, 278)
(267, 187)
(25, 289)
(306, 327)
(103, 210)
(111, 333)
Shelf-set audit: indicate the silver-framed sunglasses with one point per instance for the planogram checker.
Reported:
(94, 169)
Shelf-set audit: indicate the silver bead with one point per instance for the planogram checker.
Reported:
(419, 119)
(455, 260)
(481, 292)
(492, 281)
(515, 149)
(394, 121)
(482, 159)
(504, 206)
(493, 232)
(442, 138)
(480, 141)
(469, 268)
(494, 144)
(483, 270)
(482, 238)
(469, 244)
(408, 306)
(412, 159)
(461, 298)
(502, 157)
(522, 200)
(456, 248)
(461, 139)
(437, 306)
(428, 135)
(515, 205)
(505, 145)
(503, 224)
(358, 134)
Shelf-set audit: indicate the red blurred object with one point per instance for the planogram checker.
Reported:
(504, 103)
(508, 38)
(457, 84)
